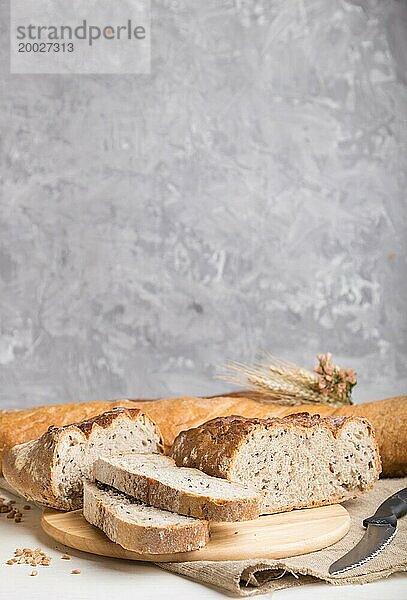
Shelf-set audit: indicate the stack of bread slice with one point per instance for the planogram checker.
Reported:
(228, 469)
(147, 504)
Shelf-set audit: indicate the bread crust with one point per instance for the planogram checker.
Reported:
(153, 492)
(388, 417)
(146, 540)
(213, 446)
(28, 467)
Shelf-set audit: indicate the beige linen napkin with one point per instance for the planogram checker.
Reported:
(258, 576)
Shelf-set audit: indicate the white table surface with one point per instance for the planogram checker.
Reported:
(113, 579)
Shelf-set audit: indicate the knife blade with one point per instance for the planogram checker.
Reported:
(380, 530)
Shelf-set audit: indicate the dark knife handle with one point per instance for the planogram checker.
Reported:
(392, 509)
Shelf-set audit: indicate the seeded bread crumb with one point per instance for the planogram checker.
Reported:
(50, 470)
(298, 461)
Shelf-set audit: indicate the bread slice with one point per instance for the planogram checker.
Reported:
(298, 461)
(50, 470)
(156, 480)
(138, 527)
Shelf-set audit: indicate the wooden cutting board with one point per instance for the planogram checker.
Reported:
(271, 536)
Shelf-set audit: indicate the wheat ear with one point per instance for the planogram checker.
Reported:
(279, 381)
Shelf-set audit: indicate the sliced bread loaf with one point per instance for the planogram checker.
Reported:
(156, 480)
(297, 461)
(50, 469)
(138, 527)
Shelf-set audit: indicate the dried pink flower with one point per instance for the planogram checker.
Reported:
(333, 380)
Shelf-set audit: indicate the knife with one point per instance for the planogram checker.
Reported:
(380, 530)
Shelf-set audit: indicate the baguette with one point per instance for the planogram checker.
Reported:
(388, 417)
(298, 461)
(141, 528)
(50, 470)
(157, 481)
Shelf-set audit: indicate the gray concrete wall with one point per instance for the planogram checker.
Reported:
(249, 195)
